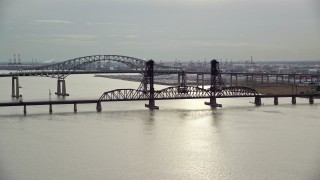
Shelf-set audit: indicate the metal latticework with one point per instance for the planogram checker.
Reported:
(182, 92)
(148, 75)
(238, 91)
(217, 83)
(63, 69)
(178, 92)
(123, 95)
(146, 91)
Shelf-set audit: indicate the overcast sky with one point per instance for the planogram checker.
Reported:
(161, 29)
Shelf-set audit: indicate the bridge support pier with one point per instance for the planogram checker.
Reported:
(151, 105)
(182, 79)
(276, 102)
(61, 88)
(257, 101)
(75, 109)
(202, 80)
(99, 108)
(213, 102)
(293, 100)
(311, 100)
(25, 109)
(50, 108)
(15, 87)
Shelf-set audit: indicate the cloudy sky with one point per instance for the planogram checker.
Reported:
(161, 29)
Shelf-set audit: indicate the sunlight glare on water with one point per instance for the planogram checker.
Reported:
(185, 139)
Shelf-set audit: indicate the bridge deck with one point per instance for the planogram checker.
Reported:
(92, 101)
(35, 103)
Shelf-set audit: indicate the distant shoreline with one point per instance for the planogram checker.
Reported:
(270, 89)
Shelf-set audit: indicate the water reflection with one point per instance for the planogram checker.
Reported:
(216, 117)
(151, 117)
(149, 122)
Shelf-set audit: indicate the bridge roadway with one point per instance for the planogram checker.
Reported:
(128, 71)
(133, 71)
(99, 107)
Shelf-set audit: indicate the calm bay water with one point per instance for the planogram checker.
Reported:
(183, 140)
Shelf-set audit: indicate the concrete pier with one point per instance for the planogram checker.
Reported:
(257, 101)
(276, 102)
(61, 88)
(151, 105)
(15, 87)
(25, 109)
(213, 102)
(293, 100)
(311, 100)
(182, 79)
(75, 109)
(200, 79)
(231, 79)
(50, 108)
(99, 108)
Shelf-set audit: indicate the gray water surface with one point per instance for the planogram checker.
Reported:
(183, 140)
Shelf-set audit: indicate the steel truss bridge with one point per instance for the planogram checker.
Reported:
(177, 92)
(145, 91)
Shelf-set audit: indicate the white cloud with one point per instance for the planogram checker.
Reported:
(52, 21)
(76, 37)
(98, 23)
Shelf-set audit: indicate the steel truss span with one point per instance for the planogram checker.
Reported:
(239, 91)
(63, 69)
(124, 94)
(177, 92)
(182, 92)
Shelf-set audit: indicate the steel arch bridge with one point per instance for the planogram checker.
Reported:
(63, 69)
